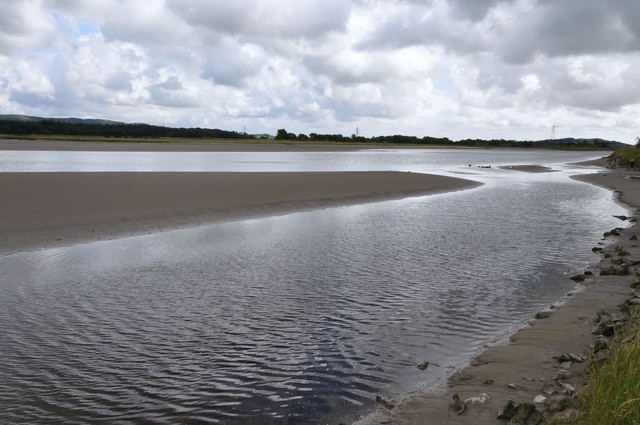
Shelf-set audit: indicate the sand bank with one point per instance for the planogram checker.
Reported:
(521, 368)
(528, 168)
(55, 209)
(174, 146)
(190, 145)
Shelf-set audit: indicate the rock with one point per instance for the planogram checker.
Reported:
(621, 270)
(539, 399)
(578, 278)
(571, 357)
(607, 324)
(563, 374)
(636, 282)
(458, 405)
(565, 365)
(558, 403)
(386, 403)
(423, 365)
(525, 414)
(596, 249)
(570, 389)
(613, 232)
(544, 314)
(507, 411)
(621, 217)
(513, 386)
(579, 358)
(481, 399)
(588, 273)
(603, 355)
(633, 238)
(630, 304)
(549, 389)
(489, 382)
(567, 416)
(600, 345)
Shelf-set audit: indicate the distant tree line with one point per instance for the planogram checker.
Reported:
(569, 143)
(61, 128)
(70, 127)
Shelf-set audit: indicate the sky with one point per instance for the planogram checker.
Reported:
(504, 69)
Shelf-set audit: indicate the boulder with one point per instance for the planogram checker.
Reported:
(558, 403)
(549, 389)
(571, 357)
(458, 405)
(385, 402)
(613, 232)
(600, 344)
(539, 399)
(525, 414)
(507, 411)
(544, 314)
(578, 278)
(423, 365)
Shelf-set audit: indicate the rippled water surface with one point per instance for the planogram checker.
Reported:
(301, 318)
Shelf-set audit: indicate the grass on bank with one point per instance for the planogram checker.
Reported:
(625, 154)
(612, 392)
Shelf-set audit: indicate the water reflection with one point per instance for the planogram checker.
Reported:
(418, 160)
(291, 319)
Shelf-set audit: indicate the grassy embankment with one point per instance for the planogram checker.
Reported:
(624, 155)
(612, 391)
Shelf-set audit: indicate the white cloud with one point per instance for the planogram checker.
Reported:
(456, 68)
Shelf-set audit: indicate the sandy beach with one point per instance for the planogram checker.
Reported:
(57, 209)
(527, 366)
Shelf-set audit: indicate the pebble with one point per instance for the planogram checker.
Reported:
(539, 399)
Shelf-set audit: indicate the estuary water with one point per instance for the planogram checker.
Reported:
(299, 318)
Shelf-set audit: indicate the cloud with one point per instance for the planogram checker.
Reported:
(456, 68)
(270, 18)
(24, 24)
(231, 64)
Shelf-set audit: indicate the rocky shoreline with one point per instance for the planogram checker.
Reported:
(536, 374)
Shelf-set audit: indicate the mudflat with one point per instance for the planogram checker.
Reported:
(40, 210)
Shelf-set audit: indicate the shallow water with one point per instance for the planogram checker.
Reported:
(417, 160)
(301, 318)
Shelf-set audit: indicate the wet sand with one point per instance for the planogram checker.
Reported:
(519, 368)
(528, 168)
(176, 146)
(41, 210)
(191, 145)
